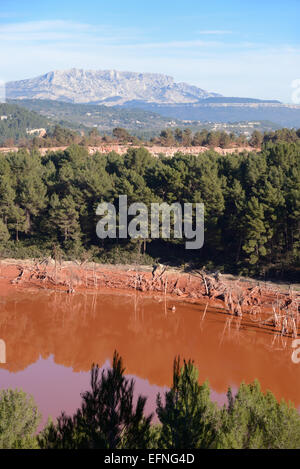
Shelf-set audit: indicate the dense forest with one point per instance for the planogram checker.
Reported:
(111, 418)
(252, 205)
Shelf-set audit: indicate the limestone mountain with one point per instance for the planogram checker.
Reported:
(108, 87)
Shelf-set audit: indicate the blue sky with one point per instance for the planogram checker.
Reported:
(232, 47)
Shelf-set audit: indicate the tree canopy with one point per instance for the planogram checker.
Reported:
(252, 204)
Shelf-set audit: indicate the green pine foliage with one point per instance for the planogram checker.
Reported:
(254, 420)
(252, 205)
(187, 417)
(19, 420)
(107, 418)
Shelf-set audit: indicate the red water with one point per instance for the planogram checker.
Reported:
(52, 339)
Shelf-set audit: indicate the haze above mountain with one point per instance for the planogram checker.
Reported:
(108, 87)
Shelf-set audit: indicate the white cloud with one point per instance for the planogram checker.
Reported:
(58, 30)
(175, 44)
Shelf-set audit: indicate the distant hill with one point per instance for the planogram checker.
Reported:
(234, 100)
(224, 111)
(105, 87)
(15, 122)
(141, 123)
(103, 117)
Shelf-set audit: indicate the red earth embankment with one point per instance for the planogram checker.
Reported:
(155, 149)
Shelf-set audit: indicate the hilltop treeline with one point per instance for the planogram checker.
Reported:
(252, 205)
(109, 418)
(14, 133)
(223, 139)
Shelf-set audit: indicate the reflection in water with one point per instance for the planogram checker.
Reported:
(81, 329)
(56, 388)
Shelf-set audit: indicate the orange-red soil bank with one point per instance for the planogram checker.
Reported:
(154, 149)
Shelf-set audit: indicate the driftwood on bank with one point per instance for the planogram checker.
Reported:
(281, 310)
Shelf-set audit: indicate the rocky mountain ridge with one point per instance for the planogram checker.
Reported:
(108, 87)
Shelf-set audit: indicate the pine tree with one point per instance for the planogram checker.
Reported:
(7, 198)
(178, 133)
(4, 234)
(107, 418)
(187, 137)
(254, 420)
(256, 139)
(188, 416)
(17, 221)
(64, 215)
(30, 188)
(255, 231)
(19, 419)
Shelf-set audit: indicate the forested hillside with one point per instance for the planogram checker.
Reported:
(141, 123)
(104, 117)
(252, 205)
(15, 121)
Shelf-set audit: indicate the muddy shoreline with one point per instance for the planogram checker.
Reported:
(276, 307)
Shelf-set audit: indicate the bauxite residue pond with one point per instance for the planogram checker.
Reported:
(52, 339)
